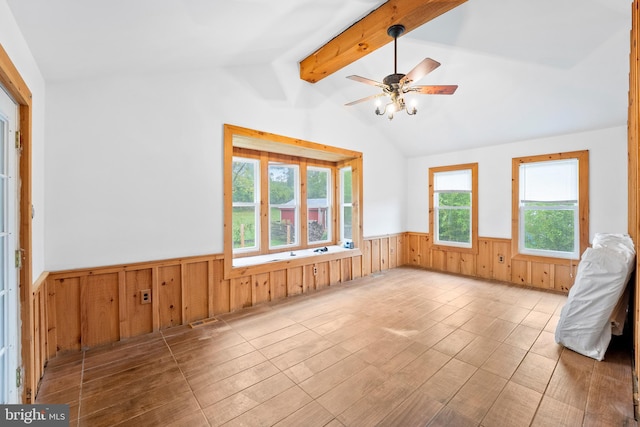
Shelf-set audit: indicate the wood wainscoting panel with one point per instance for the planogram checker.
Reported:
(221, 289)
(346, 265)
(278, 283)
(169, 297)
(413, 253)
(438, 260)
(541, 275)
(366, 257)
(564, 276)
(484, 259)
(240, 291)
(394, 252)
(261, 291)
(323, 279)
(99, 309)
(501, 260)
(520, 272)
(52, 341)
(138, 318)
(335, 271)
(66, 296)
(309, 278)
(356, 267)
(452, 263)
(492, 261)
(375, 255)
(295, 281)
(89, 307)
(467, 264)
(195, 286)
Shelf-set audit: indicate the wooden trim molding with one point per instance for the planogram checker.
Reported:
(12, 81)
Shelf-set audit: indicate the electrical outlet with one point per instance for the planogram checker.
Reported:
(501, 259)
(145, 296)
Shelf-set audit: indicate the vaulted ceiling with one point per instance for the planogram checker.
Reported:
(525, 69)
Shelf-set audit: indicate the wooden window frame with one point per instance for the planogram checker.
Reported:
(583, 203)
(266, 147)
(474, 207)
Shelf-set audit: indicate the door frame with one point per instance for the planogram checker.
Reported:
(13, 83)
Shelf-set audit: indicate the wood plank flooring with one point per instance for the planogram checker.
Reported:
(407, 347)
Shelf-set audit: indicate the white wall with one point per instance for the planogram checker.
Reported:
(134, 163)
(607, 180)
(19, 53)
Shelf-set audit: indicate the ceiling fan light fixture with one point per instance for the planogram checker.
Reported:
(396, 85)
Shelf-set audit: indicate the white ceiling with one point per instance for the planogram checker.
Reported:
(525, 69)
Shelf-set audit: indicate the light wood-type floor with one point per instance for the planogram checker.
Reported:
(406, 347)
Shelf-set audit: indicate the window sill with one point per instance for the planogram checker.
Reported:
(282, 260)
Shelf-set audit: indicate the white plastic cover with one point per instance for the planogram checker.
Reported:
(603, 272)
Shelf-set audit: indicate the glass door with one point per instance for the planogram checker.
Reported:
(9, 343)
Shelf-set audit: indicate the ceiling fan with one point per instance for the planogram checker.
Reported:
(397, 85)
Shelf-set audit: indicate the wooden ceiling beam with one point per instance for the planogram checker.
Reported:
(369, 34)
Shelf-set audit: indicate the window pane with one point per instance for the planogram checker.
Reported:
(548, 205)
(551, 230)
(318, 204)
(454, 225)
(454, 199)
(244, 181)
(346, 185)
(244, 227)
(346, 200)
(347, 222)
(283, 204)
(245, 195)
(554, 180)
(457, 180)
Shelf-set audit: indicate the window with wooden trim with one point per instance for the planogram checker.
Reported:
(550, 205)
(453, 217)
(280, 194)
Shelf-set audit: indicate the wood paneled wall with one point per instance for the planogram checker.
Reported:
(493, 261)
(89, 307)
(633, 135)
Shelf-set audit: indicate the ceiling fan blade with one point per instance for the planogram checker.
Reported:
(366, 81)
(434, 90)
(419, 71)
(364, 99)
